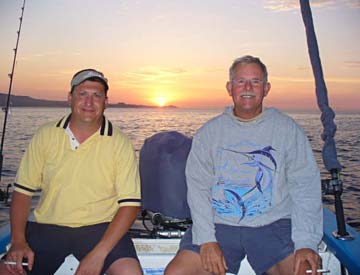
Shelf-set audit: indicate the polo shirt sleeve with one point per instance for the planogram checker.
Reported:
(29, 175)
(127, 176)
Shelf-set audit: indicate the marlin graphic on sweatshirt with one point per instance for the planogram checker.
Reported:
(246, 188)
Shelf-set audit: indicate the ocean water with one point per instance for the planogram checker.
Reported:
(140, 124)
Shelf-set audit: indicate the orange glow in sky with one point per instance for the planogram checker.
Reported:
(178, 52)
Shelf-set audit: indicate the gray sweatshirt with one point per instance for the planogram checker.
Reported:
(252, 174)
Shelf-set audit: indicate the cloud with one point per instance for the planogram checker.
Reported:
(292, 79)
(288, 5)
(34, 56)
(151, 74)
(352, 64)
(311, 79)
(64, 75)
(303, 68)
(276, 5)
(353, 3)
(214, 70)
(348, 64)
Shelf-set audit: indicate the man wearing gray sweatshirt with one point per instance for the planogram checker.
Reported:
(253, 188)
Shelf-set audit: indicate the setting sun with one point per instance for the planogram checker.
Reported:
(160, 101)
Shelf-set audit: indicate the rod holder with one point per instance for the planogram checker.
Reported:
(334, 186)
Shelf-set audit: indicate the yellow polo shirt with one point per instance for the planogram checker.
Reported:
(83, 186)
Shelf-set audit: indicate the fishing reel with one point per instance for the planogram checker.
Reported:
(162, 226)
(332, 186)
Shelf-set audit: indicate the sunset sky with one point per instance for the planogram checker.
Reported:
(178, 51)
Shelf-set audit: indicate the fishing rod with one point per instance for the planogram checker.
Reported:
(11, 75)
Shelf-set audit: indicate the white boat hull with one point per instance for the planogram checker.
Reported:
(155, 254)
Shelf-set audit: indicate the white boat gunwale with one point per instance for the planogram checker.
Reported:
(154, 254)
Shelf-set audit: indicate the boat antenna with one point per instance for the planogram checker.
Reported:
(331, 186)
(11, 75)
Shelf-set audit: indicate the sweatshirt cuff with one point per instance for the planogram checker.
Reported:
(300, 245)
(200, 238)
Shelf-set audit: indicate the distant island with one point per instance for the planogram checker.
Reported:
(27, 101)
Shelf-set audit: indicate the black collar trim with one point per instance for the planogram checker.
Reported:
(106, 125)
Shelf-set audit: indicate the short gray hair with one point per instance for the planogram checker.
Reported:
(247, 59)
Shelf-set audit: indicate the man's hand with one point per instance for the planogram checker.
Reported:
(16, 253)
(91, 264)
(306, 258)
(19, 213)
(212, 258)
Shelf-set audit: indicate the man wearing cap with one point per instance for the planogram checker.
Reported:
(88, 174)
